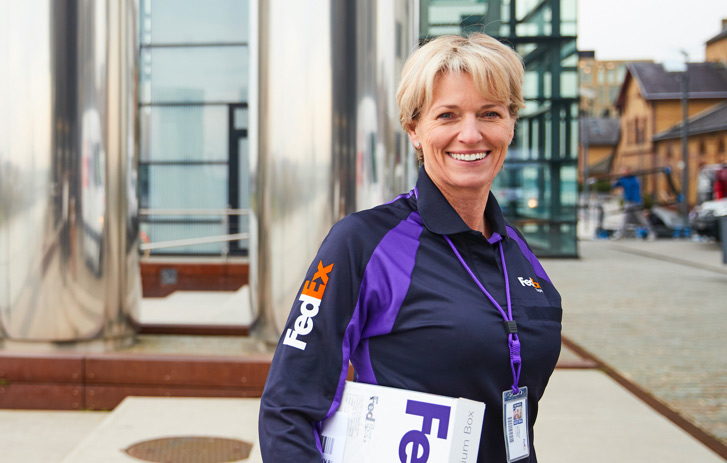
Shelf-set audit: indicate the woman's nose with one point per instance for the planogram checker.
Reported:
(470, 131)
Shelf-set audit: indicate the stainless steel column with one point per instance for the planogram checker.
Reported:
(69, 266)
(329, 136)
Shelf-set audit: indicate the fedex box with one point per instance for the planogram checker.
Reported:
(382, 424)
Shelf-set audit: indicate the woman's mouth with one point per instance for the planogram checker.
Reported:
(468, 157)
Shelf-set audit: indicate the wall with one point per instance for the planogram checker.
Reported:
(717, 51)
(703, 149)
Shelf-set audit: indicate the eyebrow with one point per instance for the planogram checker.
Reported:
(486, 106)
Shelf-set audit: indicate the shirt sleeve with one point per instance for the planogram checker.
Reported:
(311, 361)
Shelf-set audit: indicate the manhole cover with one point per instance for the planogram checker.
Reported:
(191, 449)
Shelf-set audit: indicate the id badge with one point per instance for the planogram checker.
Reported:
(515, 422)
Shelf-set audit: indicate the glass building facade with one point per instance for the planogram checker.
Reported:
(194, 76)
(195, 70)
(537, 188)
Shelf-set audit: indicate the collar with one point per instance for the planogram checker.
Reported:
(440, 217)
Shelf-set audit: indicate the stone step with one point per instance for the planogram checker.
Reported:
(90, 381)
(196, 424)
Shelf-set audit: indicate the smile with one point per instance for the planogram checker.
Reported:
(469, 157)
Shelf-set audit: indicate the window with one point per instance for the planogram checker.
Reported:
(640, 130)
(194, 77)
(630, 132)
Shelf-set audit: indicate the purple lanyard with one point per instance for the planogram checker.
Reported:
(513, 341)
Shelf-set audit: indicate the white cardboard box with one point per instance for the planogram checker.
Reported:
(383, 424)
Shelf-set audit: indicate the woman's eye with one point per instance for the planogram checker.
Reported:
(491, 114)
(445, 116)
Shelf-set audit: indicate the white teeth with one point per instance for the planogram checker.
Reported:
(468, 157)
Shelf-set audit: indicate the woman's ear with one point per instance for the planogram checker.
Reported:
(414, 137)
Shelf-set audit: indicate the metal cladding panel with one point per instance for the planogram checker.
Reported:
(68, 220)
(329, 137)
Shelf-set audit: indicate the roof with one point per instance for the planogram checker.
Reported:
(602, 131)
(602, 167)
(713, 119)
(705, 81)
(717, 37)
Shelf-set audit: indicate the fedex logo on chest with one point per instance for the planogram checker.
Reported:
(310, 299)
(530, 282)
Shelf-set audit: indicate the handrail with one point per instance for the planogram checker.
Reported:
(194, 241)
(194, 211)
(224, 213)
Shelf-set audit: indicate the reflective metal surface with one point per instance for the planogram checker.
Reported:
(68, 197)
(329, 137)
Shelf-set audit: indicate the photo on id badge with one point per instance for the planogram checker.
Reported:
(517, 421)
(517, 417)
(517, 413)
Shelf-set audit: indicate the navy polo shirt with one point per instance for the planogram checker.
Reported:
(387, 293)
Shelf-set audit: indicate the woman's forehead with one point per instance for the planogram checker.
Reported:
(449, 86)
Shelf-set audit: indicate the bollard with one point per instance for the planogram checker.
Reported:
(723, 237)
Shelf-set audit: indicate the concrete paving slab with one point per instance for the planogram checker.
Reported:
(199, 307)
(41, 436)
(586, 416)
(139, 419)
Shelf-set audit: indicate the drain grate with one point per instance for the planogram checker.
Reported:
(191, 449)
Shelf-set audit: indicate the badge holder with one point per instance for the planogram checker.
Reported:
(515, 424)
(514, 401)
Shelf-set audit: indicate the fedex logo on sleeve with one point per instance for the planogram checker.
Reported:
(414, 446)
(310, 298)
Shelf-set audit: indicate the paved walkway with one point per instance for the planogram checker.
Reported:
(656, 312)
(584, 417)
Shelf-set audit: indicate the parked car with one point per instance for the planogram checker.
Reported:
(711, 200)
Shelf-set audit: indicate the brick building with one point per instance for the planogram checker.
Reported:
(651, 114)
(716, 50)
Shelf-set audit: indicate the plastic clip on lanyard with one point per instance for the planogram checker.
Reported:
(510, 325)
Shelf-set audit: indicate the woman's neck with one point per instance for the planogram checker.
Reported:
(471, 209)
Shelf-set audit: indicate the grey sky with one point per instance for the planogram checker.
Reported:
(648, 29)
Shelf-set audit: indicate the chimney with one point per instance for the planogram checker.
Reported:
(724, 23)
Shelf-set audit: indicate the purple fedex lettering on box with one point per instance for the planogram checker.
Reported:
(414, 426)
(418, 439)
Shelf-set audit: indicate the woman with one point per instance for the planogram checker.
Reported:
(433, 291)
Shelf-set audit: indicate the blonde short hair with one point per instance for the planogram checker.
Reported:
(496, 69)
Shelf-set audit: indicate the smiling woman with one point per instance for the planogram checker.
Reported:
(459, 99)
(434, 291)
(463, 138)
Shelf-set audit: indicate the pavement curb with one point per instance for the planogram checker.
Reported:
(673, 260)
(656, 404)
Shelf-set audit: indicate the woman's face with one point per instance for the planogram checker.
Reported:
(464, 137)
